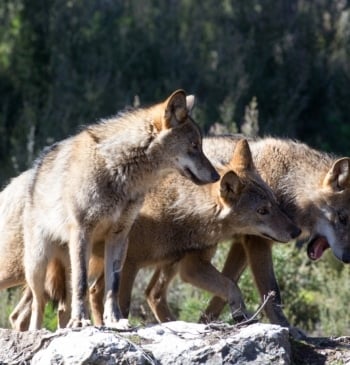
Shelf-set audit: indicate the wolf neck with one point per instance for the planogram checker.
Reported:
(293, 170)
(127, 145)
(200, 207)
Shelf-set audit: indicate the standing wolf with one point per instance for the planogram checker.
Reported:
(90, 187)
(180, 225)
(313, 187)
(178, 218)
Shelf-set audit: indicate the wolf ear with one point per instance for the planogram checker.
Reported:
(242, 158)
(190, 100)
(338, 177)
(230, 186)
(176, 109)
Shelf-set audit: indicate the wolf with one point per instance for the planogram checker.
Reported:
(178, 217)
(180, 225)
(12, 202)
(313, 187)
(90, 187)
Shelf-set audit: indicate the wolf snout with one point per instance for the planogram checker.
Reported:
(215, 176)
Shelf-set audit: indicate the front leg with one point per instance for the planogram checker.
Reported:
(116, 247)
(197, 269)
(259, 254)
(79, 251)
(235, 264)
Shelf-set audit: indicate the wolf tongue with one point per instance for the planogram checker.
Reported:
(318, 247)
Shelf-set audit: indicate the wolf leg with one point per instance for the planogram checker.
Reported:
(156, 292)
(79, 252)
(235, 264)
(197, 269)
(20, 316)
(259, 254)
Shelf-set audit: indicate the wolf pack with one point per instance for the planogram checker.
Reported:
(145, 189)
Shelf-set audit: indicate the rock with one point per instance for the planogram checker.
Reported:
(189, 343)
(167, 343)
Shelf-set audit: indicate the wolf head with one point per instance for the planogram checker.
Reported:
(181, 139)
(332, 201)
(252, 201)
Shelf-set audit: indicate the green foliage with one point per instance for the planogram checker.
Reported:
(50, 317)
(8, 300)
(68, 63)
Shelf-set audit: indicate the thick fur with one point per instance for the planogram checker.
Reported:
(180, 226)
(312, 186)
(90, 187)
(179, 218)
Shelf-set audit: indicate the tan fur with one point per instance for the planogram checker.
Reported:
(180, 225)
(89, 188)
(309, 184)
(179, 217)
(313, 187)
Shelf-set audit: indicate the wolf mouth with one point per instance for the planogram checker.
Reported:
(316, 247)
(189, 174)
(269, 237)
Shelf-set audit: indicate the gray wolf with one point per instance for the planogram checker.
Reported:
(180, 225)
(89, 188)
(313, 187)
(179, 218)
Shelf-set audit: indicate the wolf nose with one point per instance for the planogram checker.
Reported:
(215, 176)
(295, 232)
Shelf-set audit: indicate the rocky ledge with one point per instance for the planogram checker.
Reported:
(170, 343)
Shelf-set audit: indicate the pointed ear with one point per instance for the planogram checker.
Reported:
(190, 100)
(242, 158)
(338, 177)
(230, 186)
(175, 109)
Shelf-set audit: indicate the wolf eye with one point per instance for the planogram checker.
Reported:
(194, 145)
(262, 211)
(343, 218)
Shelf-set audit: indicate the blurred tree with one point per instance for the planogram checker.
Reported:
(65, 63)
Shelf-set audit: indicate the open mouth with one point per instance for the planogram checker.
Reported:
(316, 247)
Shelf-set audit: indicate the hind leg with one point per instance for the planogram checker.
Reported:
(36, 252)
(96, 294)
(58, 287)
(36, 279)
(20, 316)
(156, 292)
(259, 253)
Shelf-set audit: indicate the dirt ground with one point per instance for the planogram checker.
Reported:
(321, 351)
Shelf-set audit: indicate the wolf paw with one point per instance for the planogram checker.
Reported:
(78, 323)
(121, 324)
